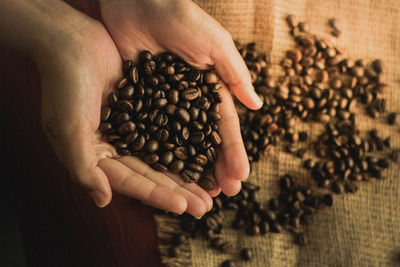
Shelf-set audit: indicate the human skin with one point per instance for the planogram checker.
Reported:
(79, 64)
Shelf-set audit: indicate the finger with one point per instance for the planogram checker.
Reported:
(132, 184)
(78, 154)
(236, 163)
(194, 188)
(233, 71)
(197, 204)
(229, 185)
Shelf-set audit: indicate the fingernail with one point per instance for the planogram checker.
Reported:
(256, 98)
(98, 198)
(198, 218)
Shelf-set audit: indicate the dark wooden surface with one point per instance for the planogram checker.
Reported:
(59, 223)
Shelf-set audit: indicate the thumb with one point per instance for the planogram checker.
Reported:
(233, 71)
(76, 151)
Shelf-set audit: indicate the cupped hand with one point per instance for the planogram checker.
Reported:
(78, 71)
(185, 29)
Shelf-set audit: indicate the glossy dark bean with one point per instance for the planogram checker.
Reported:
(151, 158)
(139, 143)
(105, 113)
(190, 176)
(112, 100)
(176, 166)
(211, 154)
(196, 137)
(126, 127)
(215, 138)
(182, 115)
(184, 134)
(206, 183)
(159, 167)
(181, 153)
(105, 127)
(194, 167)
(166, 158)
(190, 94)
(151, 146)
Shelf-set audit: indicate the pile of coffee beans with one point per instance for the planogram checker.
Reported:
(319, 84)
(166, 112)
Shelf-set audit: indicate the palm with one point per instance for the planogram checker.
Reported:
(185, 29)
(126, 174)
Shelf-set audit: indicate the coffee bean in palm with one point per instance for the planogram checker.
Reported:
(126, 127)
(181, 153)
(215, 138)
(138, 144)
(184, 134)
(159, 167)
(211, 154)
(190, 94)
(160, 102)
(105, 113)
(194, 167)
(182, 115)
(201, 159)
(206, 183)
(105, 127)
(196, 137)
(190, 176)
(161, 119)
(176, 166)
(112, 100)
(151, 158)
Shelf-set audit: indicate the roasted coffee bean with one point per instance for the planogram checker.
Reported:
(166, 158)
(181, 153)
(215, 138)
(178, 239)
(190, 176)
(159, 167)
(377, 65)
(228, 263)
(211, 154)
(162, 135)
(173, 96)
(246, 254)
(206, 183)
(151, 158)
(105, 127)
(392, 118)
(131, 137)
(133, 75)
(105, 113)
(126, 127)
(190, 94)
(196, 137)
(184, 134)
(194, 167)
(161, 119)
(201, 160)
(112, 100)
(125, 105)
(182, 115)
(139, 143)
(300, 239)
(176, 166)
(337, 187)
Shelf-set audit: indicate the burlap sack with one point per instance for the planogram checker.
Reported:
(360, 229)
